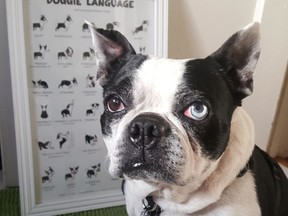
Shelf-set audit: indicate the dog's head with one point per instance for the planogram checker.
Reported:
(169, 120)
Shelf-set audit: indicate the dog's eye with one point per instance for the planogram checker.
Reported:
(115, 104)
(197, 111)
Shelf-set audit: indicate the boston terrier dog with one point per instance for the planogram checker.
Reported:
(176, 132)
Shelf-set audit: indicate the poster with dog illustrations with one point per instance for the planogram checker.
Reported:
(71, 155)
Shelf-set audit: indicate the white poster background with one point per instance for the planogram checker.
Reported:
(71, 153)
(61, 155)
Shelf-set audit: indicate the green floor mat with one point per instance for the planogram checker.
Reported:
(10, 206)
(9, 202)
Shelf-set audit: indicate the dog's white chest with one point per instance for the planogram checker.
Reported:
(238, 199)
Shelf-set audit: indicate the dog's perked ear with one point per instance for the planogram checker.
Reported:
(238, 57)
(112, 51)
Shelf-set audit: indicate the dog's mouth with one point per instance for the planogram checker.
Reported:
(155, 166)
(139, 166)
(140, 171)
(133, 167)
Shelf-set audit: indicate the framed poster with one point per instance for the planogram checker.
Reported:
(57, 103)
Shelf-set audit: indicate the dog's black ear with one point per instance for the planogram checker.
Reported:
(112, 50)
(238, 57)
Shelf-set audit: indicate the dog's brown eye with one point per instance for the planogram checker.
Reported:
(197, 111)
(115, 104)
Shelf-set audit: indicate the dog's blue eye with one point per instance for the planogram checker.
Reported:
(115, 104)
(197, 111)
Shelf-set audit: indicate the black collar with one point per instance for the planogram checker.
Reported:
(150, 208)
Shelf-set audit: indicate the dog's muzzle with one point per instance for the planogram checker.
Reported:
(151, 150)
(146, 130)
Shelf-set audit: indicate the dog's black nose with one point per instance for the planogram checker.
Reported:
(147, 129)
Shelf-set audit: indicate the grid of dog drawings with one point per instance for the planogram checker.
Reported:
(64, 102)
(67, 101)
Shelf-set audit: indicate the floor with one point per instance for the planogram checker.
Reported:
(1, 180)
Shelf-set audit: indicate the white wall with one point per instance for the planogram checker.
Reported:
(270, 72)
(197, 28)
(7, 135)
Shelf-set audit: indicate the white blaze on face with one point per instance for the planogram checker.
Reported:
(154, 88)
(156, 83)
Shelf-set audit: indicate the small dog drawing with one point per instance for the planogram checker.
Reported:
(95, 105)
(34, 84)
(40, 25)
(64, 25)
(94, 171)
(63, 138)
(68, 83)
(142, 27)
(40, 84)
(90, 81)
(67, 53)
(91, 140)
(67, 112)
(71, 175)
(41, 53)
(85, 27)
(45, 145)
(92, 111)
(110, 26)
(48, 177)
(44, 113)
(89, 55)
(142, 50)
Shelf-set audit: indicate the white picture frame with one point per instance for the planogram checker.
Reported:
(26, 94)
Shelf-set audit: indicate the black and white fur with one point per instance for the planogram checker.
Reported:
(112, 25)
(49, 175)
(64, 25)
(71, 175)
(67, 112)
(142, 27)
(85, 27)
(45, 145)
(88, 55)
(68, 83)
(40, 25)
(176, 131)
(92, 111)
(91, 139)
(63, 138)
(44, 113)
(90, 81)
(41, 53)
(64, 55)
(40, 84)
(94, 171)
